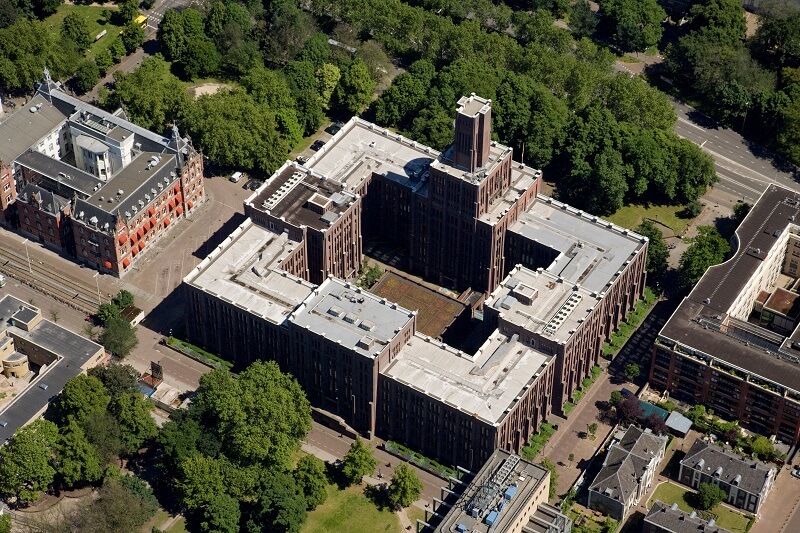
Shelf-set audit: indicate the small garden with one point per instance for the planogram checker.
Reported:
(587, 523)
(578, 394)
(416, 458)
(689, 501)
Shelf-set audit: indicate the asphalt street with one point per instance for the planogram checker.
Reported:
(744, 169)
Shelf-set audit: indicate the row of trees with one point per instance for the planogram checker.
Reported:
(608, 138)
(749, 83)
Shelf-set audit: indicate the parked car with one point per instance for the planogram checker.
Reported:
(252, 184)
(796, 472)
(317, 145)
(302, 159)
(236, 176)
(334, 128)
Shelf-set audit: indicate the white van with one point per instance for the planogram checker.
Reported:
(236, 176)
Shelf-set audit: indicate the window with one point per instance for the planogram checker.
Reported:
(6, 186)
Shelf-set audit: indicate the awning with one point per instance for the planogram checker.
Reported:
(179, 210)
(140, 232)
(134, 250)
(141, 245)
(189, 204)
(178, 197)
(153, 222)
(172, 204)
(107, 263)
(146, 226)
(123, 239)
(152, 210)
(126, 262)
(176, 188)
(134, 238)
(166, 222)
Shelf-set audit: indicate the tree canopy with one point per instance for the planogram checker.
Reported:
(706, 250)
(25, 467)
(358, 461)
(405, 488)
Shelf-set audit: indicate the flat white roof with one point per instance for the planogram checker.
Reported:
(541, 303)
(484, 385)
(591, 250)
(361, 148)
(358, 320)
(245, 271)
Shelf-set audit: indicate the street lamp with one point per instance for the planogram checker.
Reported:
(746, 108)
(97, 284)
(25, 242)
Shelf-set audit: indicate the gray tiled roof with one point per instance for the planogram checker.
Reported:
(671, 519)
(625, 463)
(49, 202)
(754, 474)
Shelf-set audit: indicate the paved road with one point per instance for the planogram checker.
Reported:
(744, 169)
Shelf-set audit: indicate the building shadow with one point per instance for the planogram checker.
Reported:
(214, 240)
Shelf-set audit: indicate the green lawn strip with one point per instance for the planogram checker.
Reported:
(546, 431)
(349, 510)
(414, 513)
(94, 20)
(628, 326)
(159, 518)
(418, 459)
(664, 216)
(195, 352)
(725, 517)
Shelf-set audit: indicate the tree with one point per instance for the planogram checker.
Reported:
(656, 423)
(591, 430)
(151, 95)
(327, 79)
(179, 438)
(355, 88)
(74, 28)
(200, 480)
(708, 248)
(82, 397)
(119, 338)
(582, 20)
(762, 447)
(132, 412)
(117, 378)
(132, 36)
(103, 432)
(281, 505)
(172, 35)
(657, 251)
(632, 371)
(107, 312)
(405, 488)
(310, 477)
(260, 417)
(123, 299)
(635, 25)
(709, 495)
(740, 211)
(630, 410)
(117, 49)
(200, 58)
(128, 11)
(221, 515)
(358, 461)
(548, 464)
(25, 468)
(616, 398)
(87, 76)
(104, 60)
(289, 28)
(5, 523)
(124, 505)
(76, 461)
(316, 50)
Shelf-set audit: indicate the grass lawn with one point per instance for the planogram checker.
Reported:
(178, 527)
(586, 524)
(159, 518)
(94, 20)
(414, 513)
(726, 517)
(665, 217)
(349, 510)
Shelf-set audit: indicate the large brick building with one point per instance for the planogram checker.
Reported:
(557, 282)
(733, 343)
(91, 183)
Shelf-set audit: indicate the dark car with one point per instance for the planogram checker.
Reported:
(302, 159)
(796, 472)
(317, 145)
(252, 184)
(334, 128)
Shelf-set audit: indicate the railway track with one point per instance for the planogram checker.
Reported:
(48, 281)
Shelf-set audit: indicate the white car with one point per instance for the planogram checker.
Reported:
(236, 176)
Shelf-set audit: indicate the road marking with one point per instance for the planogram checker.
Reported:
(704, 143)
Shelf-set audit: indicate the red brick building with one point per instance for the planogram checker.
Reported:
(91, 183)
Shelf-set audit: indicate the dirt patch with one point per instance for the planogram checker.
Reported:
(207, 88)
(752, 21)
